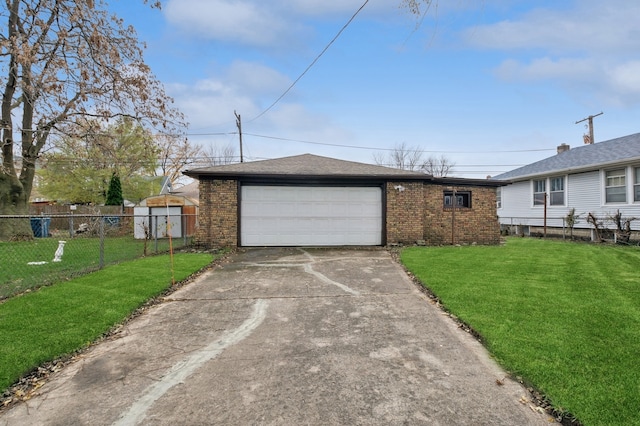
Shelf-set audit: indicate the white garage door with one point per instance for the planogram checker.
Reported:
(310, 216)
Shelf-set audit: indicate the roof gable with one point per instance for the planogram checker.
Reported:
(583, 158)
(304, 165)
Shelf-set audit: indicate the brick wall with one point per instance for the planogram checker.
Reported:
(218, 213)
(405, 212)
(415, 211)
(478, 224)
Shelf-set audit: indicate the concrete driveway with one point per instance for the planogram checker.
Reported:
(286, 337)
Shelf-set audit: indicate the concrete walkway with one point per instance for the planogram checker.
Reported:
(286, 337)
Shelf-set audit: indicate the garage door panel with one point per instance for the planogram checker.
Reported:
(299, 216)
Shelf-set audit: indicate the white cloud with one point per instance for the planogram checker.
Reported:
(249, 88)
(211, 101)
(589, 26)
(587, 48)
(625, 78)
(549, 69)
(262, 23)
(237, 21)
(323, 8)
(257, 79)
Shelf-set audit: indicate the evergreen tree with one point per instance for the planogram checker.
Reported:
(114, 193)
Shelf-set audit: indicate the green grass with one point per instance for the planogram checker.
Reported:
(60, 319)
(565, 317)
(81, 255)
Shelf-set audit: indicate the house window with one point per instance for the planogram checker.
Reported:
(615, 186)
(539, 192)
(636, 185)
(463, 199)
(499, 198)
(556, 196)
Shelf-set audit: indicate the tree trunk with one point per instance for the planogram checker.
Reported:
(14, 201)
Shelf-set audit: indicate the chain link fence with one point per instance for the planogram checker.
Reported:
(68, 245)
(561, 227)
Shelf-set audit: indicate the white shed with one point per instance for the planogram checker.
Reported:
(167, 215)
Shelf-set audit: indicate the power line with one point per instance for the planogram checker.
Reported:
(312, 63)
(393, 149)
(371, 148)
(211, 134)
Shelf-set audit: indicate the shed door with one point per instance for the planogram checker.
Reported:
(165, 222)
(310, 216)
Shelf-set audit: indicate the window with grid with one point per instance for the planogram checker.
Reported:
(463, 199)
(615, 186)
(499, 198)
(556, 195)
(539, 191)
(636, 185)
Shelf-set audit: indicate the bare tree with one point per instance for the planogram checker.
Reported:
(218, 155)
(411, 158)
(62, 61)
(401, 157)
(176, 154)
(414, 6)
(437, 166)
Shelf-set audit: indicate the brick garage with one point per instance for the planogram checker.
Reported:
(325, 201)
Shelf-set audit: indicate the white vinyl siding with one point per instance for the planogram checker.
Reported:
(583, 191)
(516, 200)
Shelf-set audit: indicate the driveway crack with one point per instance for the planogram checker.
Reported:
(308, 268)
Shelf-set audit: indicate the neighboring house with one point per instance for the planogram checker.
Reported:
(165, 186)
(601, 179)
(308, 200)
(190, 190)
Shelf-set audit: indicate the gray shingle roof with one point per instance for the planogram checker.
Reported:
(582, 158)
(305, 165)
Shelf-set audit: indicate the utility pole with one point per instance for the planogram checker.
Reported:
(239, 124)
(590, 118)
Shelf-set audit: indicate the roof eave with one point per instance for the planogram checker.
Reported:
(470, 182)
(289, 176)
(363, 177)
(581, 169)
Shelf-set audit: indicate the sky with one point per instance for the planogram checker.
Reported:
(489, 84)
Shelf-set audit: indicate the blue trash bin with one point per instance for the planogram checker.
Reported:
(112, 221)
(40, 226)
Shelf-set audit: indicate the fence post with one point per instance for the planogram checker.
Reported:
(101, 242)
(155, 233)
(183, 223)
(545, 215)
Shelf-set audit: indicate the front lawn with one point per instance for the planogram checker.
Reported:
(60, 319)
(564, 317)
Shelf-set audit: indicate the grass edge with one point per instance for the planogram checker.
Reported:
(537, 397)
(30, 382)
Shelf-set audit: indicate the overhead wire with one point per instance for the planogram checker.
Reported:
(312, 63)
(393, 149)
